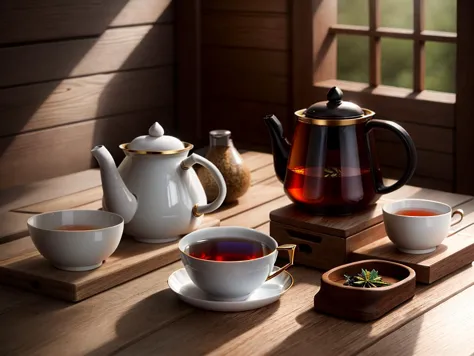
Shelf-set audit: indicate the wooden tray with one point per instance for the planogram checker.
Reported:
(325, 242)
(24, 267)
(454, 253)
(364, 304)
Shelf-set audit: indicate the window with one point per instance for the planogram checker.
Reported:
(411, 100)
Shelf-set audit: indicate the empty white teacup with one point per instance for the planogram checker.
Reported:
(76, 240)
(418, 226)
(231, 280)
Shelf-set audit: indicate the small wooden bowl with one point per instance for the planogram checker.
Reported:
(364, 304)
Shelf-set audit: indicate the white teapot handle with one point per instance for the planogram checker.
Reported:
(198, 210)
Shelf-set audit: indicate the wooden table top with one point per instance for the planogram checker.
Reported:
(143, 316)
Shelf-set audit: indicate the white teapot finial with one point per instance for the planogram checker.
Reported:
(156, 130)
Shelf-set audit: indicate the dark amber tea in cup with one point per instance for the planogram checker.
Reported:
(227, 249)
(417, 212)
(76, 227)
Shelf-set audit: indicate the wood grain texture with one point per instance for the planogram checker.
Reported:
(24, 160)
(264, 31)
(13, 226)
(430, 164)
(431, 138)
(454, 253)
(30, 20)
(446, 329)
(320, 250)
(339, 226)
(419, 181)
(65, 202)
(254, 5)
(271, 330)
(30, 271)
(37, 106)
(47, 189)
(116, 49)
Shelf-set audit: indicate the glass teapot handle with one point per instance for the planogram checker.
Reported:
(199, 210)
(410, 149)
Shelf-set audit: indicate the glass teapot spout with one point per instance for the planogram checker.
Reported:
(280, 146)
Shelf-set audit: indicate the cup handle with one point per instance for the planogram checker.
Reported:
(199, 210)
(459, 212)
(291, 253)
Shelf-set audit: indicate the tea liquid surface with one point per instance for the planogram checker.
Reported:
(417, 212)
(77, 227)
(227, 249)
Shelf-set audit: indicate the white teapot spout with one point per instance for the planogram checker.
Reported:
(117, 198)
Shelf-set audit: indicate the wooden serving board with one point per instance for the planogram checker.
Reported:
(341, 226)
(23, 266)
(454, 253)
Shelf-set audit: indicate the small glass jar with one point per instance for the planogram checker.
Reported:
(230, 163)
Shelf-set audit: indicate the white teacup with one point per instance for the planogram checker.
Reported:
(232, 280)
(79, 250)
(418, 234)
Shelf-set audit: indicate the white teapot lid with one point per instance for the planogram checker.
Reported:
(156, 141)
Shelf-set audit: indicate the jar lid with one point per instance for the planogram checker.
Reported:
(334, 108)
(155, 141)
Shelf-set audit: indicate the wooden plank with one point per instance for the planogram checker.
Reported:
(258, 87)
(189, 83)
(258, 161)
(257, 61)
(262, 174)
(243, 114)
(272, 330)
(431, 138)
(258, 216)
(27, 269)
(255, 5)
(37, 106)
(455, 252)
(65, 202)
(116, 49)
(66, 149)
(464, 112)
(419, 181)
(446, 329)
(264, 31)
(375, 60)
(419, 46)
(257, 195)
(30, 20)
(13, 226)
(430, 164)
(40, 191)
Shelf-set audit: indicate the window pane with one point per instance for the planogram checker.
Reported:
(353, 58)
(441, 15)
(397, 62)
(353, 12)
(397, 13)
(440, 66)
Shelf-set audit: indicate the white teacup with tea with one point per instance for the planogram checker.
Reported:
(229, 263)
(418, 226)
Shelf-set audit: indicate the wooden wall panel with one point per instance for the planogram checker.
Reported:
(66, 149)
(37, 106)
(268, 6)
(116, 49)
(268, 31)
(33, 20)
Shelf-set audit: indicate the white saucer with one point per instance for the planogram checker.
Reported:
(269, 292)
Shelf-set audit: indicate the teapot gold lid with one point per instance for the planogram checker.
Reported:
(155, 141)
(334, 108)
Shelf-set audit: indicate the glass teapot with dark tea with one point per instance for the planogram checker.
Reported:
(331, 167)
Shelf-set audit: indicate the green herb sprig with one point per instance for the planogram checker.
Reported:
(365, 279)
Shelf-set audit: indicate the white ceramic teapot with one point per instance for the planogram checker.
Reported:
(155, 189)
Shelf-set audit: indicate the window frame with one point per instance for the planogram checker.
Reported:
(314, 65)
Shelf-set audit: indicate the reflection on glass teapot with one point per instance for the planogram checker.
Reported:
(331, 166)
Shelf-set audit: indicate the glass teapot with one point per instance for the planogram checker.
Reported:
(331, 166)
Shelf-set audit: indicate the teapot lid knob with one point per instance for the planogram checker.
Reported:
(156, 130)
(335, 95)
